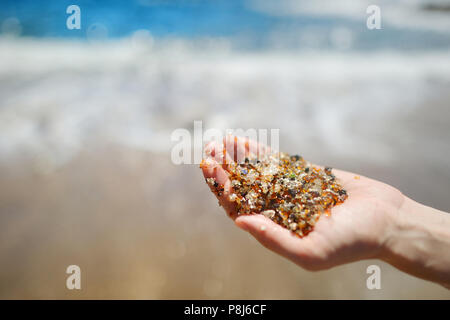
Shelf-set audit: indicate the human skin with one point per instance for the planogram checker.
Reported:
(376, 222)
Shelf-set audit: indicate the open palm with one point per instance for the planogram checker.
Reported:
(355, 230)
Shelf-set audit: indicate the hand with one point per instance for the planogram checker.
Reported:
(356, 229)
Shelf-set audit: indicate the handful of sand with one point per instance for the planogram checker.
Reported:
(287, 189)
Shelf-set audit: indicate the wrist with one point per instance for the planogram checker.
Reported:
(394, 223)
(400, 224)
(417, 242)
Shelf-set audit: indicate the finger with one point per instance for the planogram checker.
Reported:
(240, 148)
(218, 152)
(212, 169)
(235, 148)
(303, 251)
(258, 148)
(255, 148)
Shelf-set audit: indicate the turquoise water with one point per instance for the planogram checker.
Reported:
(181, 18)
(243, 22)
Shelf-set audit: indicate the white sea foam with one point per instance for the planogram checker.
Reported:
(56, 96)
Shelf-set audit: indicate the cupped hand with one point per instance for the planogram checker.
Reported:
(356, 229)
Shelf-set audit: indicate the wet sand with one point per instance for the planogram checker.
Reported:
(140, 227)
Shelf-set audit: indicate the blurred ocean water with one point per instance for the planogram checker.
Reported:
(57, 95)
(163, 64)
(250, 24)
